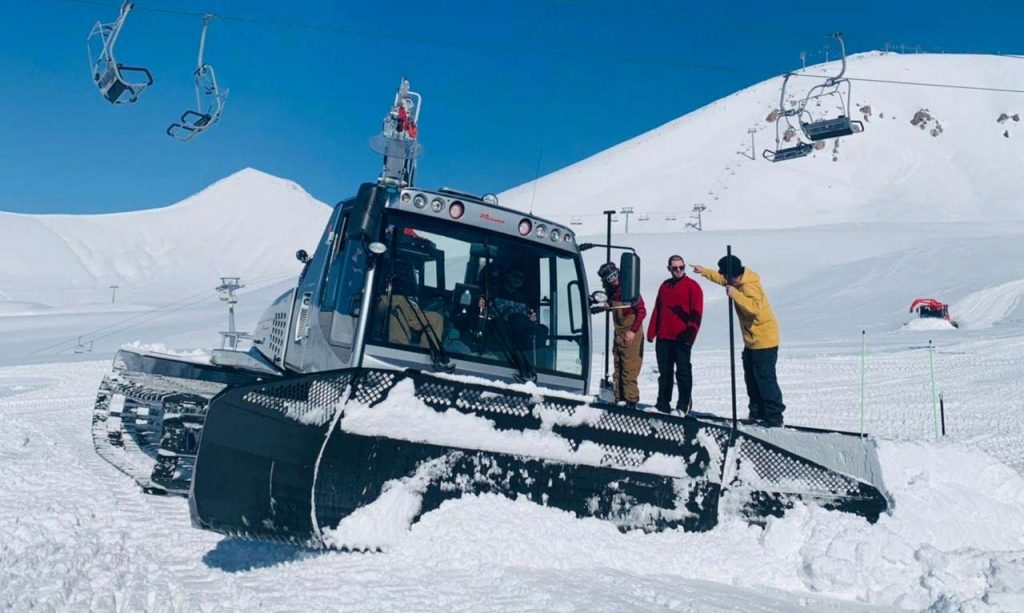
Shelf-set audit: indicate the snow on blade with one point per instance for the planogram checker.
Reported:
(403, 416)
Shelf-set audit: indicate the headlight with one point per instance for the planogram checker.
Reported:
(555, 235)
(419, 201)
(406, 197)
(490, 199)
(542, 231)
(437, 205)
(525, 227)
(456, 209)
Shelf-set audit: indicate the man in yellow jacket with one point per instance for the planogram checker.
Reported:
(760, 337)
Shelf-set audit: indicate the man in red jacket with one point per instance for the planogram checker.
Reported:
(675, 322)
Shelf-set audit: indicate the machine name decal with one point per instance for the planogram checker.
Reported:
(488, 217)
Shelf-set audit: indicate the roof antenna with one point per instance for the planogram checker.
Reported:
(536, 179)
(397, 139)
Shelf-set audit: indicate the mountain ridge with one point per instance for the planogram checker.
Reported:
(927, 154)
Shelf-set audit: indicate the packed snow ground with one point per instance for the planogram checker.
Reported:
(75, 533)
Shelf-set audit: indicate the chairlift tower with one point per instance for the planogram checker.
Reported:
(113, 293)
(627, 211)
(753, 149)
(228, 286)
(698, 210)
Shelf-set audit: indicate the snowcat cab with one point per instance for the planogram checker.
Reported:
(192, 123)
(439, 345)
(930, 308)
(107, 72)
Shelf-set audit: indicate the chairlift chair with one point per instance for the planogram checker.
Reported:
(193, 123)
(816, 129)
(783, 122)
(107, 72)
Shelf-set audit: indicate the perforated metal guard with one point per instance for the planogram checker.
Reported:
(305, 400)
(778, 468)
(628, 440)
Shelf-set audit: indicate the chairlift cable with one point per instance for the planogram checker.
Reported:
(534, 50)
(148, 312)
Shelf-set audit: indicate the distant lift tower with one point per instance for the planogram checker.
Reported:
(113, 293)
(698, 209)
(228, 286)
(627, 211)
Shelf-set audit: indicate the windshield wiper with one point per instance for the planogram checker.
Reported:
(439, 359)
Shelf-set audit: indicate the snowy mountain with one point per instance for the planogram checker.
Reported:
(927, 155)
(249, 224)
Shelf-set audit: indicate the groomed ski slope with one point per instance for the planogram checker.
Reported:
(76, 534)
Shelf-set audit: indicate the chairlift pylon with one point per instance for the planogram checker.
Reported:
(107, 73)
(193, 123)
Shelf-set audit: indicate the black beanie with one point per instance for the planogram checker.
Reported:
(607, 269)
(730, 264)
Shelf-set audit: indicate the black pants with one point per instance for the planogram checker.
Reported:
(762, 384)
(673, 355)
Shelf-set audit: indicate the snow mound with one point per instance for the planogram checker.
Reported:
(249, 224)
(927, 154)
(927, 324)
(987, 307)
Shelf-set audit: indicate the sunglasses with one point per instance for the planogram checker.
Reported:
(611, 277)
(675, 268)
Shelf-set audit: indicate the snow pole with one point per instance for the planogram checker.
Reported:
(606, 383)
(732, 341)
(863, 358)
(942, 414)
(931, 367)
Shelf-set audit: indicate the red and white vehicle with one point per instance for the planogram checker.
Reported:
(930, 307)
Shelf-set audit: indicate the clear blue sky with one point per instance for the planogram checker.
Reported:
(500, 81)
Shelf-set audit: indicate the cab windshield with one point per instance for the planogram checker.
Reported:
(478, 296)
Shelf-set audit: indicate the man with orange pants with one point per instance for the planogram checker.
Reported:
(628, 350)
